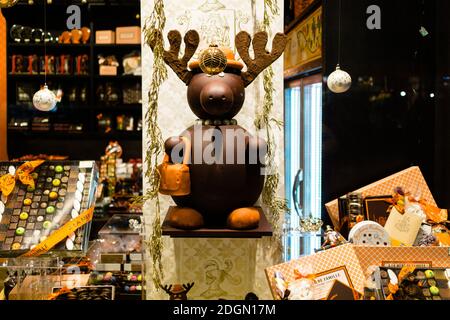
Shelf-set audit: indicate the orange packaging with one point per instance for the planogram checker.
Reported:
(128, 35)
(108, 71)
(105, 37)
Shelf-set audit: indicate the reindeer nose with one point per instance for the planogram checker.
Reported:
(216, 98)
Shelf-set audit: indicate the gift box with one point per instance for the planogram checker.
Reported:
(105, 37)
(410, 179)
(108, 71)
(351, 265)
(396, 257)
(337, 264)
(128, 35)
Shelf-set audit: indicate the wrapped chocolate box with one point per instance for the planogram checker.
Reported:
(61, 191)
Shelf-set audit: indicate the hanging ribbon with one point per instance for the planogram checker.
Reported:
(23, 173)
(61, 234)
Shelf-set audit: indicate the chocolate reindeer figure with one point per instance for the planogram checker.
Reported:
(178, 291)
(223, 191)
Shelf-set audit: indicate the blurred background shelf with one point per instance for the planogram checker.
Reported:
(88, 111)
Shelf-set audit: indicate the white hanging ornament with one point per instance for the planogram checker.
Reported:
(44, 99)
(339, 81)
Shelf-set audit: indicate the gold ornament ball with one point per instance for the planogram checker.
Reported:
(8, 3)
(339, 81)
(213, 61)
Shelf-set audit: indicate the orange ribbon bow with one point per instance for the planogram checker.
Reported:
(298, 275)
(23, 173)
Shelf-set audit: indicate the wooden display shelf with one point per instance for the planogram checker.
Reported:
(97, 15)
(118, 77)
(25, 76)
(264, 230)
(33, 45)
(115, 46)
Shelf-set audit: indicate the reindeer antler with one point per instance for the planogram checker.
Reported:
(188, 286)
(263, 59)
(171, 57)
(167, 288)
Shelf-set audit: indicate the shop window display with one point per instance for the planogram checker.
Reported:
(106, 195)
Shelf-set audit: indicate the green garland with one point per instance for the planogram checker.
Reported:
(276, 205)
(155, 143)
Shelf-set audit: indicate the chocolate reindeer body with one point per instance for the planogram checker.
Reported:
(220, 192)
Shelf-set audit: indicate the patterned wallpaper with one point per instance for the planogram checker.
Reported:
(220, 268)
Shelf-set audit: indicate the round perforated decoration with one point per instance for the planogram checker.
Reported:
(369, 233)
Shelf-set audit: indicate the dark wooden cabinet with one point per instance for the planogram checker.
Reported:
(81, 105)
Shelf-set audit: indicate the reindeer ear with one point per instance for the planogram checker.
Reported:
(171, 57)
(262, 59)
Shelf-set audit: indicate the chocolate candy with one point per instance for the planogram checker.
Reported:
(27, 202)
(434, 291)
(53, 195)
(50, 210)
(432, 282)
(47, 224)
(23, 216)
(56, 182)
(16, 246)
(31, 188)
(20, 231)
(59, 169)
(429, 274)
